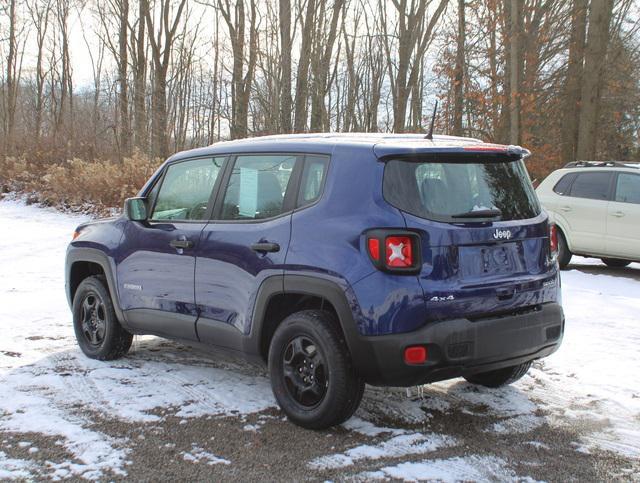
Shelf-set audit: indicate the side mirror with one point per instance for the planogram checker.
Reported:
(135, 209)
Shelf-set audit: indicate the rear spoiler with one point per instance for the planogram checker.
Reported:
(487, 153)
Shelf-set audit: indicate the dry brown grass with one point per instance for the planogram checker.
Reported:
(76, 184)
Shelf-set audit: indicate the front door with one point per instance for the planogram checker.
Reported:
(245, 243)
(623, 223)
(155, 273)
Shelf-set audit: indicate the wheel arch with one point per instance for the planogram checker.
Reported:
(281, 296)
(84, 262)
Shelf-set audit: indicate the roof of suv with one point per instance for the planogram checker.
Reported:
(383, 144)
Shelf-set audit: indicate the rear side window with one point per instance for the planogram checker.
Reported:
(628, 188)
(594, 186)
(442, 191)
(185, 190)
(562, 187)
(315, 169)
(257, 187)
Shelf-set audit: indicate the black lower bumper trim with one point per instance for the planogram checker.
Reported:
(461, 347)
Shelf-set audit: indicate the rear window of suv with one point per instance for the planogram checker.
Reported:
(443, 191)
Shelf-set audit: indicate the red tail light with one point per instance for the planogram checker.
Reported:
(553, 239)
(399, 252)
(394, 250)
(374, 248)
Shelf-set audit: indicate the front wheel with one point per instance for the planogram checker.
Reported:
(615, 262)
(98, 331)
(500, 377)
(312, 376)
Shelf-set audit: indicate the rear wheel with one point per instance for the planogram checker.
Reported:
(500, 377)
(616, 262)
(564, 254)
(311, 372)
(98, 331)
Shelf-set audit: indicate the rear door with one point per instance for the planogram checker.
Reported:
(155, 274)
(485, 247)
(245, 242)
(584, 210)
(623, 221)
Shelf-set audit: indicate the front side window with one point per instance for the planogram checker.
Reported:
(186, 189)
(257, 187)
(594, 186)
(447, 191)
(628, 188)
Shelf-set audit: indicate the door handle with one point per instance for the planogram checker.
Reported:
(179, 243)
(618, 214)
(565, 208)
(265, 247)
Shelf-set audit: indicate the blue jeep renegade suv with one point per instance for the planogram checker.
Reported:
(337, 260)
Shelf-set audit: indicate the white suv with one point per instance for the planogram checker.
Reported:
(596, 209)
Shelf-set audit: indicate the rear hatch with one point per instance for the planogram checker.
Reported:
(485, 239)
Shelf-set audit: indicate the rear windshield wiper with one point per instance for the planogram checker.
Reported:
(479, 214)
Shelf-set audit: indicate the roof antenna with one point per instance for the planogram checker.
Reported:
(433, 120)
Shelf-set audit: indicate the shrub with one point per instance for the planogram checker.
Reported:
(97, 186)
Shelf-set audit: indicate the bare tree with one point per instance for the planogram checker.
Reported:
(595, 53)
(39, 12)
(139, 62)
(162, 37)
(302, 86)
(323, 49)
(459, 75)
(286, 41)
(241, 81)
(414, 34)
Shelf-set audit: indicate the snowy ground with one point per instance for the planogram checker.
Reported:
(170, 412)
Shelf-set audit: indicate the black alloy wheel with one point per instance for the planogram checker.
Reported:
(305, 371)
(94, 321)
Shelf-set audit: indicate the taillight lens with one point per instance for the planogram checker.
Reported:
(394, 250)
(553, 239)
(374, 248)
(398, 251)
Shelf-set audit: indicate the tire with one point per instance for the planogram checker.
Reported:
(98, 331)
(312, 376)
(564, 254)
(615, 262)
(500, 377)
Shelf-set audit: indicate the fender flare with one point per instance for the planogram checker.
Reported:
(335, 291)
(93, 255)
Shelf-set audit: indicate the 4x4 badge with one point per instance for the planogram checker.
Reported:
(502, 234)
(442, 299)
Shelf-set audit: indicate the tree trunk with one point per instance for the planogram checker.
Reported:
(515, 13)
(595, 54)
(11, 81)
(139, 83)
(319, 121)
(458, 78)
(285, 74)
(123, 101)
(574, 80)
(302, 84)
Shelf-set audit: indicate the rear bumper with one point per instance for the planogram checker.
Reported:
(462, 347)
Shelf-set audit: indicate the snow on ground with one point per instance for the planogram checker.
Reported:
(48, 387)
